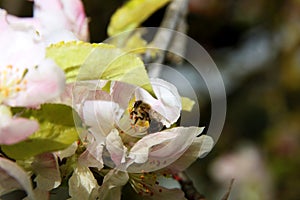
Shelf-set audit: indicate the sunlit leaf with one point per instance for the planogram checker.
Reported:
(57, 131)
(71, 55)
(130, 42)
(132, 14)
(136, 43)
(106, 87)
(84, 61)
(187, 104)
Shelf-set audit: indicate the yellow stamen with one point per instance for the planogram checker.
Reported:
(11, 81)
(5, 92)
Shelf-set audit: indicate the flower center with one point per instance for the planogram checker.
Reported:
(11, 81)
(144, 182)
(139, 114)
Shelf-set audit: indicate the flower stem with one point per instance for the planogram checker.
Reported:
(188, 188)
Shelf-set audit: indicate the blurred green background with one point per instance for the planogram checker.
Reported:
(256, 45)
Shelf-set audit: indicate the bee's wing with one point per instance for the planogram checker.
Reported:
(155, 122)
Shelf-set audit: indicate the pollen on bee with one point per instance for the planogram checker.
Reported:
(143, 123)
(139, 114)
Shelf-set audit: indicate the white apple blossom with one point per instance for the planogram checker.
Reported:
(10, 131)
(57, 19)
(123, 138)
(13, 177)
(27, 79)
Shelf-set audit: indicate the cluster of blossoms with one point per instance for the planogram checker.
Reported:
(27, 77)
(126, 134)
(130, 138)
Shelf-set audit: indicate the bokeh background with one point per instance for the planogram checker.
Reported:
(256, 45)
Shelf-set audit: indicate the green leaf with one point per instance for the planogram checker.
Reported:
(106, 87)
(71, 55)
(84, 61)
(132, 14)
(57, 131)
(131, 42)
(187, 104)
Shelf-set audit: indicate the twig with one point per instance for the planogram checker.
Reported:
(188, 188)
(164, 37)
(179, 41)
(226, 196)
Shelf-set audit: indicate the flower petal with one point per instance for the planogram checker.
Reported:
(60, 35)
(74, 10)
(100, 117)
(158, 150)
(19, 41)
(122, 93)
(115, 147)
(140, 151)
(27, 84)
(61, 14)
(82, 183)
(47, 170)
(68, 152)
(112, 185)
(198, 149)
(43, 83)
(14, 177)
(13, 130)
(168, 102)
(92, 157)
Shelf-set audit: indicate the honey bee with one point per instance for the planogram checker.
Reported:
(144, 117)
(139, 114)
